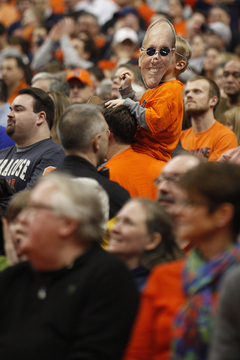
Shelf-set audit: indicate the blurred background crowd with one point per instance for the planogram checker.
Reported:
(99, 36)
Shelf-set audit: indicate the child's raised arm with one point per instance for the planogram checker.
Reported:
(126, 90)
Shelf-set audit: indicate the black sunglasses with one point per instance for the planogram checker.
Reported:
(164, 51)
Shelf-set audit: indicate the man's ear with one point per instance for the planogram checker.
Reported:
(41, 118)
(213, 101)
(224, 214)
(96, 142)
(154, 241)
(67, 227)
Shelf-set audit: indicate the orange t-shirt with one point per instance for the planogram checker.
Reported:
(15, 94)
(211, 143)
(152, 332)
(107, 64)
(57, 6)
(135, 172)
(146, 12)
(180, 28)
(164, 114)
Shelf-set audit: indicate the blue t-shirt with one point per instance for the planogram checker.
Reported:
(5, 140)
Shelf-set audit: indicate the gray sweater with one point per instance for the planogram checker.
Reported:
(71, 58)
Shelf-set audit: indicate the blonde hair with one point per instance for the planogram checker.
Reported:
(61, 102)
(17, 203)
(233, 115)
(183, 52)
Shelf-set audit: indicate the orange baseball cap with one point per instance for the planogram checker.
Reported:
(81, 75)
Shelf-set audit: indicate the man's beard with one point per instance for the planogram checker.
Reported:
(196, 111)
(10, 130)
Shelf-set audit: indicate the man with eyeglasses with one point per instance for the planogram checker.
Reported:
(231, 86)
(167, 183)
(169, 193)
(71, 299)
(160, 109)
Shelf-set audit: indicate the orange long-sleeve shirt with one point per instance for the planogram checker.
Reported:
(135, 172)
(152, 332)
(164, 114)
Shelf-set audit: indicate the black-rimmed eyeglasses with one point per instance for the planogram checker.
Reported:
(164, 51)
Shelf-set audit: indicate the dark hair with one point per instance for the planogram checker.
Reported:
(89, 45)
(97, 71)
(3, 91)
(42, 102)
(213, 88)
(199, 11)
(182, 3)
(85, 13)
(19, 61)
(18, 40)
(218, 183)
(208, 47)
(159, 221)
(2, 29)
(121, 123)
(20, 64)
(220, 6)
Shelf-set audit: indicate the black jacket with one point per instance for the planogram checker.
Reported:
(83, 312)
(79, 167)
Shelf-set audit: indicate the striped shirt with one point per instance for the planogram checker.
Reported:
(232, 156)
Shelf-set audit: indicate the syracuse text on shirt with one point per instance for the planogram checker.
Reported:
(205, 152)
(13, 167)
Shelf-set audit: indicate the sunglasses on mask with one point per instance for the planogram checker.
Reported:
(164, 51)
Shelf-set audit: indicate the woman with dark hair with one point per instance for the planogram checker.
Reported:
(179, 304)
(143, 237)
